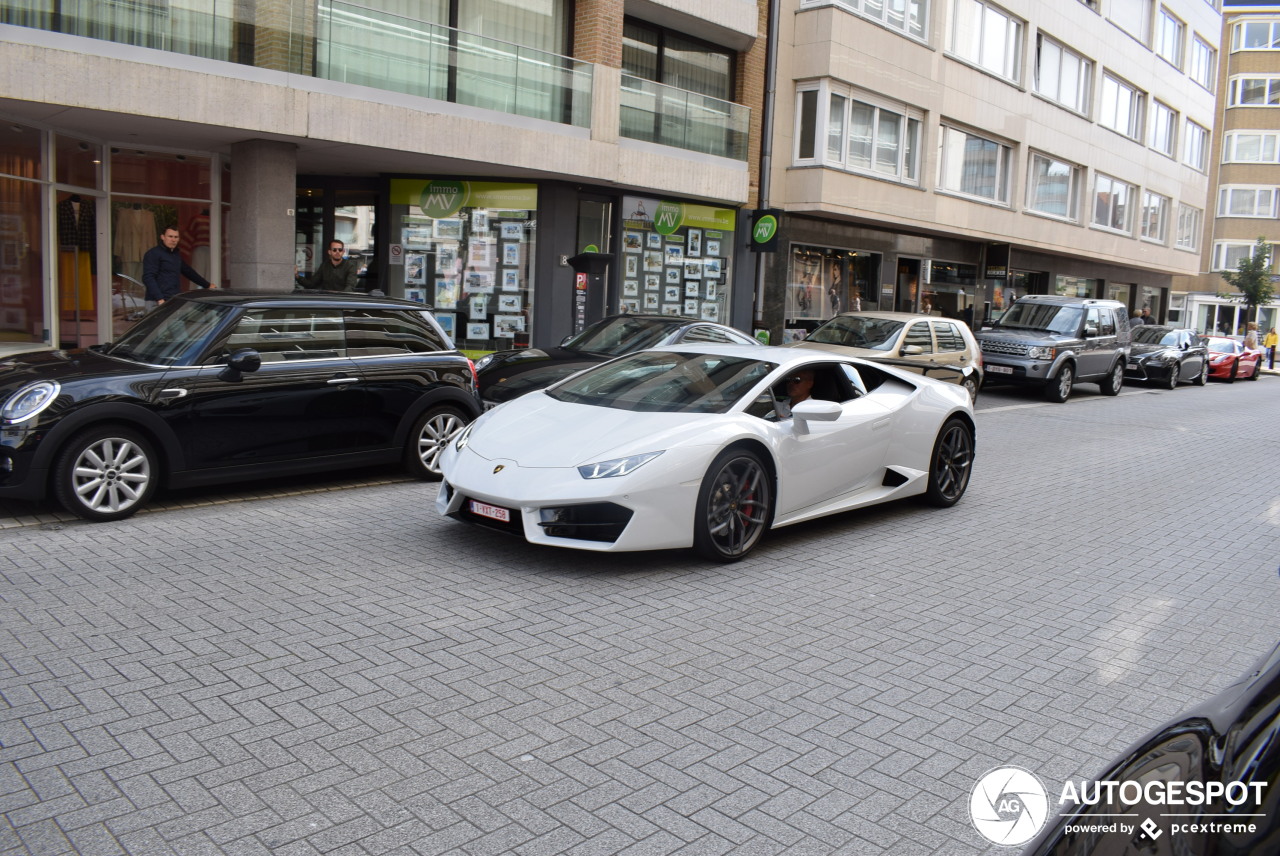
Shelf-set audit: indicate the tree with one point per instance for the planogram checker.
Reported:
(1252, 278)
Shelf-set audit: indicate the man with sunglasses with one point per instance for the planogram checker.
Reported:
(334, 273)
(800, 386)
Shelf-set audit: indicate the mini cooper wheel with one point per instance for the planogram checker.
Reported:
(735, 506)
(427, 441)
(1059, 389)
(105, 473)
(1111, 384)
(1202, 378)
(951, 464)
(1175, 371)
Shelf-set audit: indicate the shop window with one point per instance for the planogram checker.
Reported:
(21, 296)
(467, 251)
(676, 259)
(822, 282)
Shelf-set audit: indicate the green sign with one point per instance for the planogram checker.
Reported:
(441, 198)
(668, 217)
(764, 230)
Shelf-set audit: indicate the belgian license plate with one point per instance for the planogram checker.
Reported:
(1133, 365)
(492, 512)
(1000, 369)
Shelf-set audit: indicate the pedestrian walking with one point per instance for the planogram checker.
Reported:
(163, 269)
(1269, 342)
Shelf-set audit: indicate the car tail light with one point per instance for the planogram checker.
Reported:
(475, 378)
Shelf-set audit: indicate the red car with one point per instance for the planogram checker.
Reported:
(1228, 360)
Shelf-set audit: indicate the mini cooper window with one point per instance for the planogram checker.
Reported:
(294, 333)
(665, 382)
(171, 336)
(387, 332)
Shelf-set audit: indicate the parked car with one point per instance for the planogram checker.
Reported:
(1232, 737)
(940, 348)
(699, 446)
(1228, 360)
(1054, 342)
(1166, 356)
(505, 375)
(218, 387)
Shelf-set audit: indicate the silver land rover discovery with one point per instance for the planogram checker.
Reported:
(1053, 342)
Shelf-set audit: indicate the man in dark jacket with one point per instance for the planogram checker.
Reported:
(162, 267)
(334, 273)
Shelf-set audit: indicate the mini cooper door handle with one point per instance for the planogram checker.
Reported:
(170, 394)
(340, 380)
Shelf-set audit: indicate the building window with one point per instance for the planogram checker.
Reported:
(1121, 109)
(1112, 204)
(1195, 148)
(1189, 220)
(1253, 92)
(973, 166)
(1250, 147)
(1227, 255)
(860, 134)
(1255, 36)
(665, 56)
(1155, 216)
(1132, 16)
(1164, 128)
(1204, 60)
(1246, 201)
(1170, 35)
(905, 16)
(987, 37)
(1053, 187)
(1063, 75)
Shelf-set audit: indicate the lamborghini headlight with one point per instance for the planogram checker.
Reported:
(29, 401)
(616, 467)
(460, 441)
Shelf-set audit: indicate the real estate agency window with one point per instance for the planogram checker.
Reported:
(467, 249)
(1121, 107)
(1113, 204)
(1062, 75)
(1164, 128)
(1053, 187)
(974, 166)
(1189, 224)
(1247, 201)
(1171, 33)
(1155, 217)
(987, 36)
(676, 258)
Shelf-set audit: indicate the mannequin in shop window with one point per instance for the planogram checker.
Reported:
(163, 269)
(77, 237)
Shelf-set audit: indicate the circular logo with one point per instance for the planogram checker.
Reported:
(442, 199)
(668, 217)
(765, 228)
(1008, 806)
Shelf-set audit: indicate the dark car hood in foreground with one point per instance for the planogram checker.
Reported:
(62, 366)
(513, 373)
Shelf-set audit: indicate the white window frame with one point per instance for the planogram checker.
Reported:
(1170, 37)
(906, 168)
(1132, 16)
(1155, 217)
(1163, 133)
(952, 145)
(1072, 214)
(1104, 217)
(1055, 75)
(1112, 113)
(1190, 222)
(1195, 146)
(1259, 199)
(1223, 251)
(1202, 65)
(988, 37)
(1266, 32)
(909, 17)
(1259, 140)
(1242, 85)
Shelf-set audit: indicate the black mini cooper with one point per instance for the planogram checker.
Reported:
(215, 387)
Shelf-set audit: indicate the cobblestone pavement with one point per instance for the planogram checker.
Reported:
(341, 672)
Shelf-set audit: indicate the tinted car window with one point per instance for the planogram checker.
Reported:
(171, 338)
(949, 338)
(1042, 316)
(918, 334)
(384, 332)
(1148, 335)
(703, 333)
(300, 333)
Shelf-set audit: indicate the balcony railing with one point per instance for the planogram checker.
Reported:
(663, 114)
(338, 41)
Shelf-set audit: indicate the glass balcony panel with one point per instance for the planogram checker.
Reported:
(675, 117)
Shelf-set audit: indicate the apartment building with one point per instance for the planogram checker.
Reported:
(950, 156)
(1246, 172)
(525, 168)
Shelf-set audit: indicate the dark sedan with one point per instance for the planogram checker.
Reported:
(1167, 356)
(510, 374)
(1206, 784)
(218, 387)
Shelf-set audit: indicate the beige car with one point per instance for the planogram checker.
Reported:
(942, 348)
